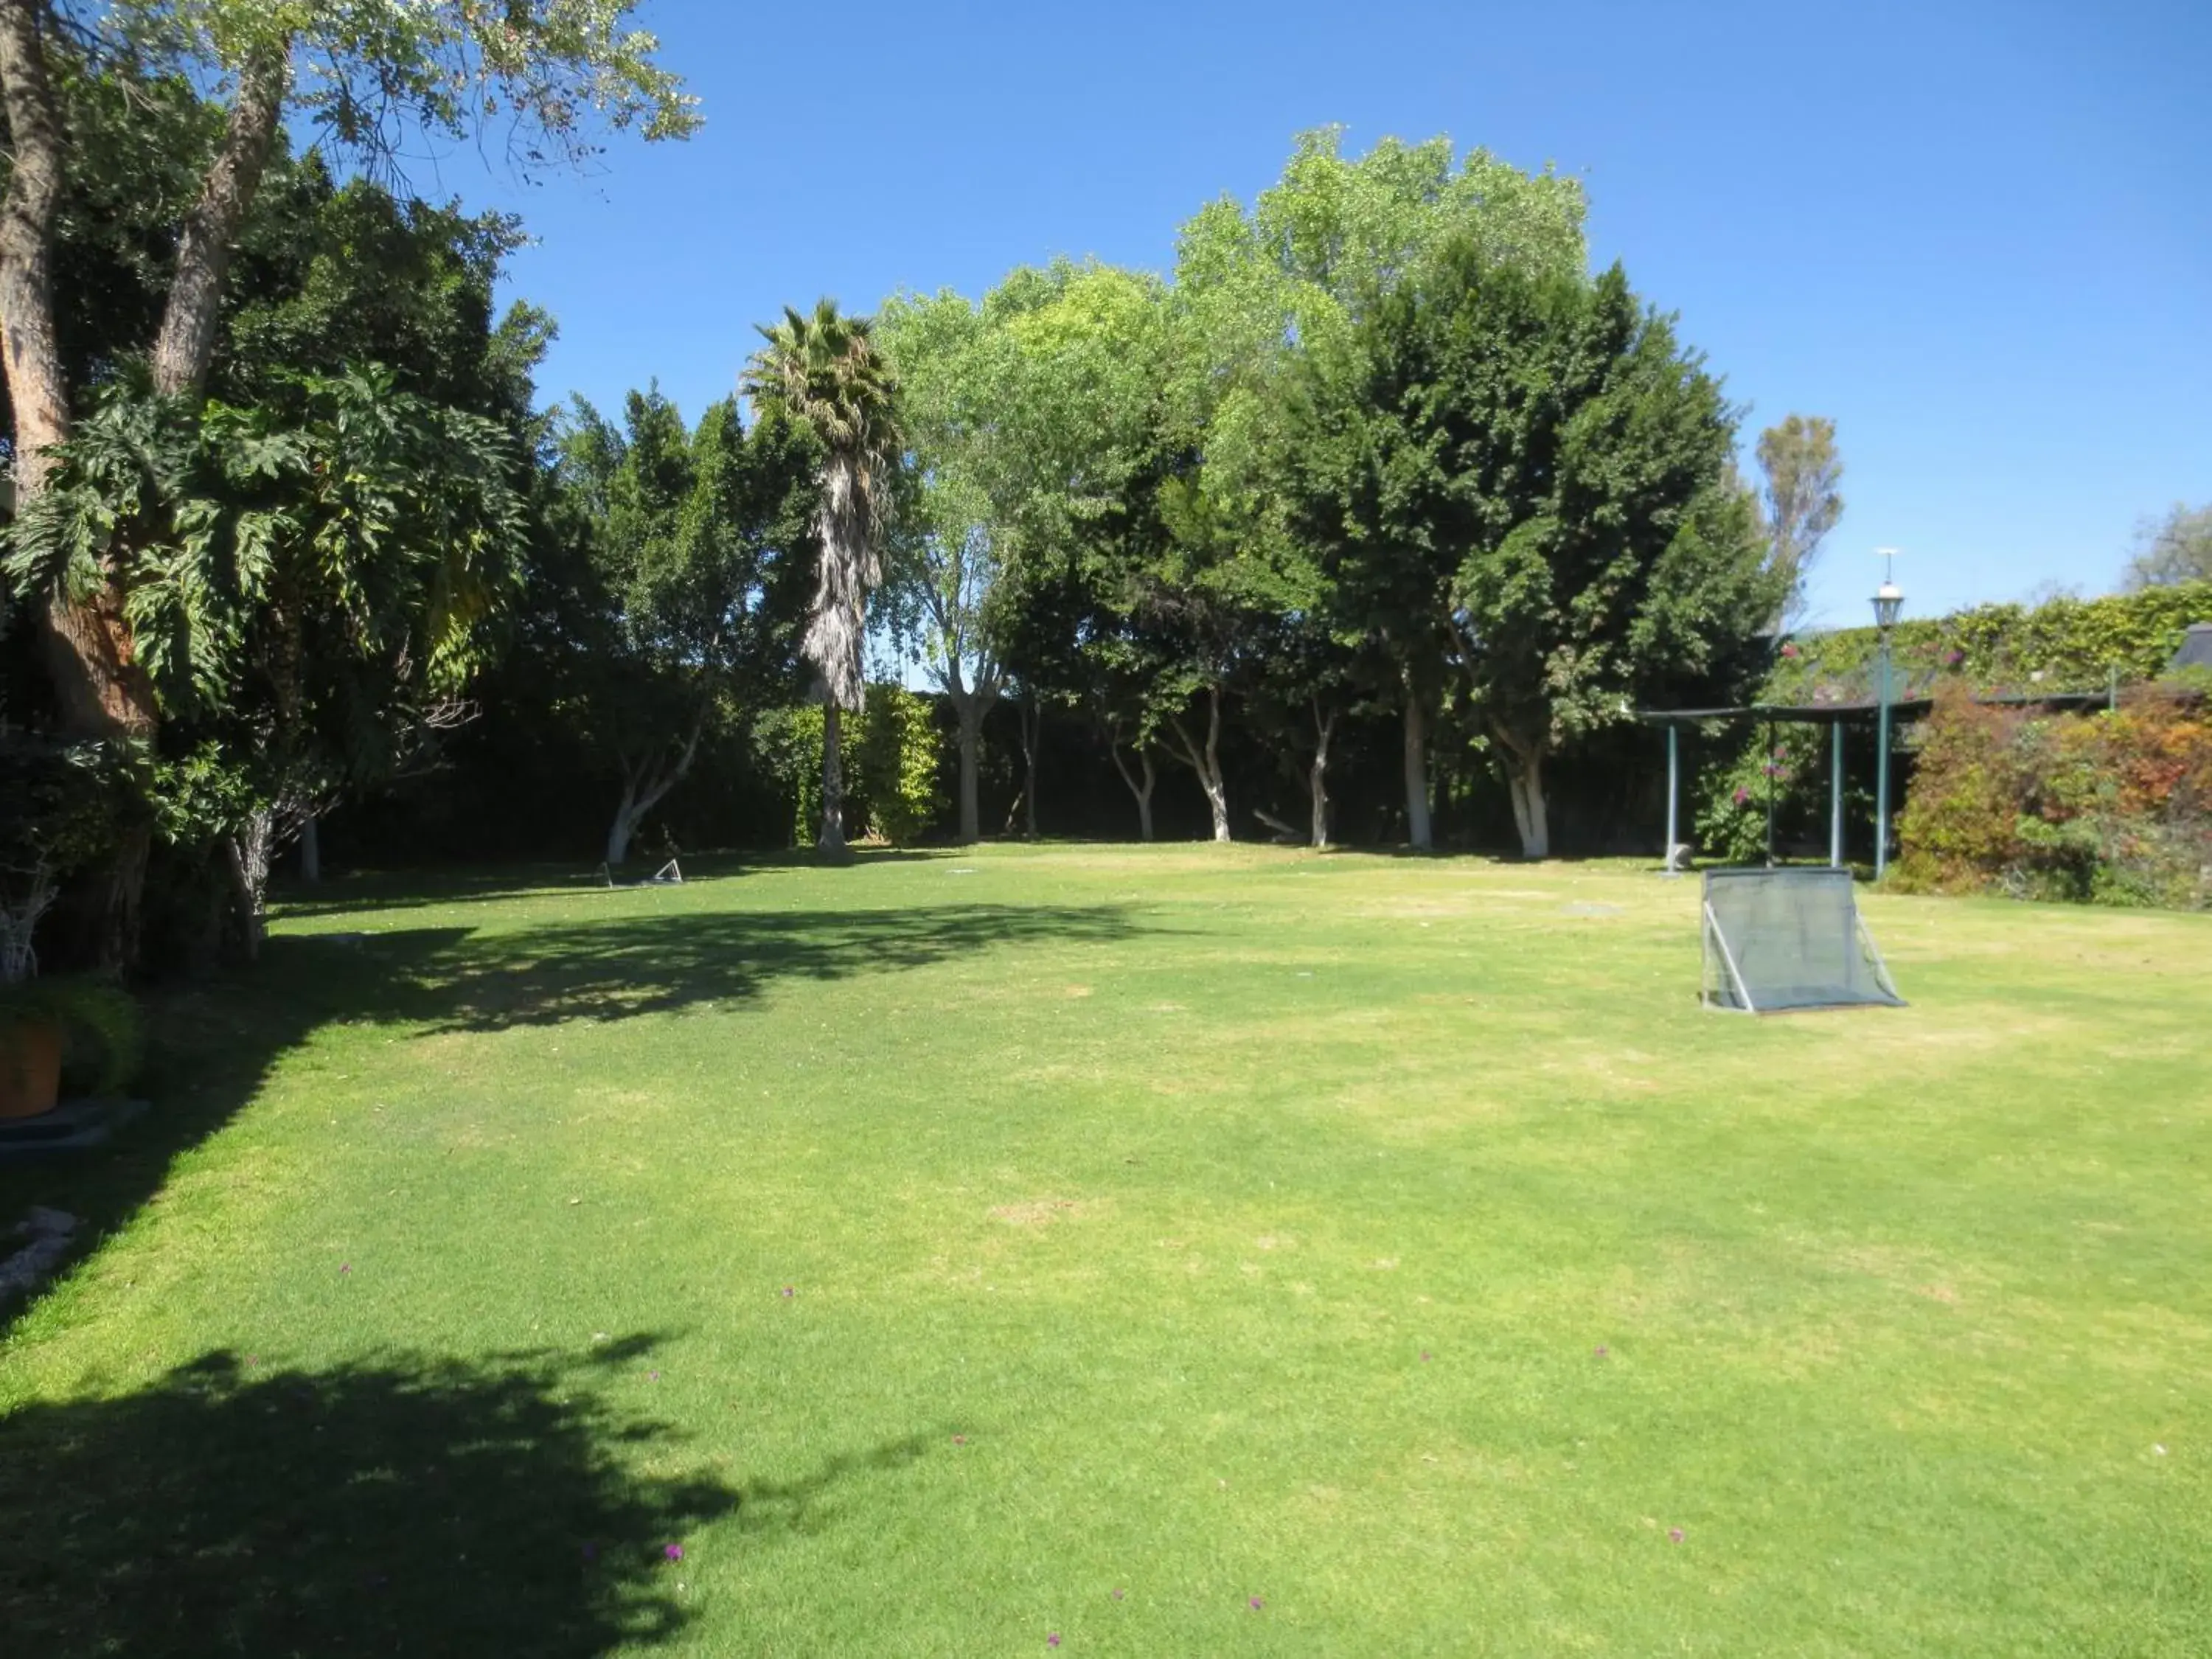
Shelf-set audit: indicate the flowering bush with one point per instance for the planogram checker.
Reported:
(2116, 808)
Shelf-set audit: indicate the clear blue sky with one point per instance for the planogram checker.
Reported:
(1980, 235)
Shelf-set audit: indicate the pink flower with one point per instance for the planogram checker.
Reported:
(1742, 795)
(1052, 1640)
(673, 1551)
(1257, 1604)
(1675, 1534)
(1788, 650)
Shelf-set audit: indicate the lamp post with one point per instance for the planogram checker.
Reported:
(1888, 601)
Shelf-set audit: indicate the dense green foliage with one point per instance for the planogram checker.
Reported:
(1540, 458)
(666, 591)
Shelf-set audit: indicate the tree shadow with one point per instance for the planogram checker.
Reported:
(343, 893)
(212, 1044)
(449, 980)
(403, 1506)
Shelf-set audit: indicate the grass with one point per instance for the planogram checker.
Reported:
(1177, 1251)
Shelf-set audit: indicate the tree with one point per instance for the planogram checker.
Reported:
(672, 571)
(309, 583)
(2173, 549)
(1800, 504)
(824, 371)
(1546, 430)
(1288, 282)
(951, 367)
(370, 74)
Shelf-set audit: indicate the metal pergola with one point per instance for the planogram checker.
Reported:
(1835, 716)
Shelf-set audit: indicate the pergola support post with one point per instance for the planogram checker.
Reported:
(1836, 795)
(1673, 794)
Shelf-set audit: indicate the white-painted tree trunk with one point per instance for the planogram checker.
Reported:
(1205, 761)
(627, 816)
(646, 782)
(1524, 781)
(1418, 831)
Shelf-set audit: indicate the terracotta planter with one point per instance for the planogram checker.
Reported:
(30, 1067)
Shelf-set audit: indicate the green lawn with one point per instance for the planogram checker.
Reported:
(1178, 1250)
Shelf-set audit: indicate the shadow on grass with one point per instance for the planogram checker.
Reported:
(452, 981)
(214, 1044)
(422, 890)
(403, 1507)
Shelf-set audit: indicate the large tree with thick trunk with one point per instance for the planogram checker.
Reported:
(371, 74)
(1547, 432)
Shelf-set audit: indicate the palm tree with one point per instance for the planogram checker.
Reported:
(825, 370)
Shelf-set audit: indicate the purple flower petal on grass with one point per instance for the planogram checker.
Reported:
(1257, 1604)
(786, 1290)
(1052, 1640)
(1599, 1351)
(1118, 1595)
(1673, 1535)
(673, 1551)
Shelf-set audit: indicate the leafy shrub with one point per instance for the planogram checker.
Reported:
(1732, 817)
(899, 763)
(2114, 808)
(889, 756)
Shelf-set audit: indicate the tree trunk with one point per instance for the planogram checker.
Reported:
(33, 355)
(831, 842)
(88, 647)
(1418, 831)
(247, 850)
(187, 342)
(1317, 774)
(1032, 723)
(1206, 761)
(969, 708)
(645, 784)
(1524, 781)
(311, 849)
(624, 826)
(1143, 794)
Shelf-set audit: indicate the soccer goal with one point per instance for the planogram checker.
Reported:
(1777, 939)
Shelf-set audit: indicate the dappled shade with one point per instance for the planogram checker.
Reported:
(399, 1507)
(454, 980)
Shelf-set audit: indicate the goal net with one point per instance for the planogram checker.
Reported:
(1776, 940)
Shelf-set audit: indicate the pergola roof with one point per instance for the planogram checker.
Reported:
(2196, 650)
(1831, 713)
